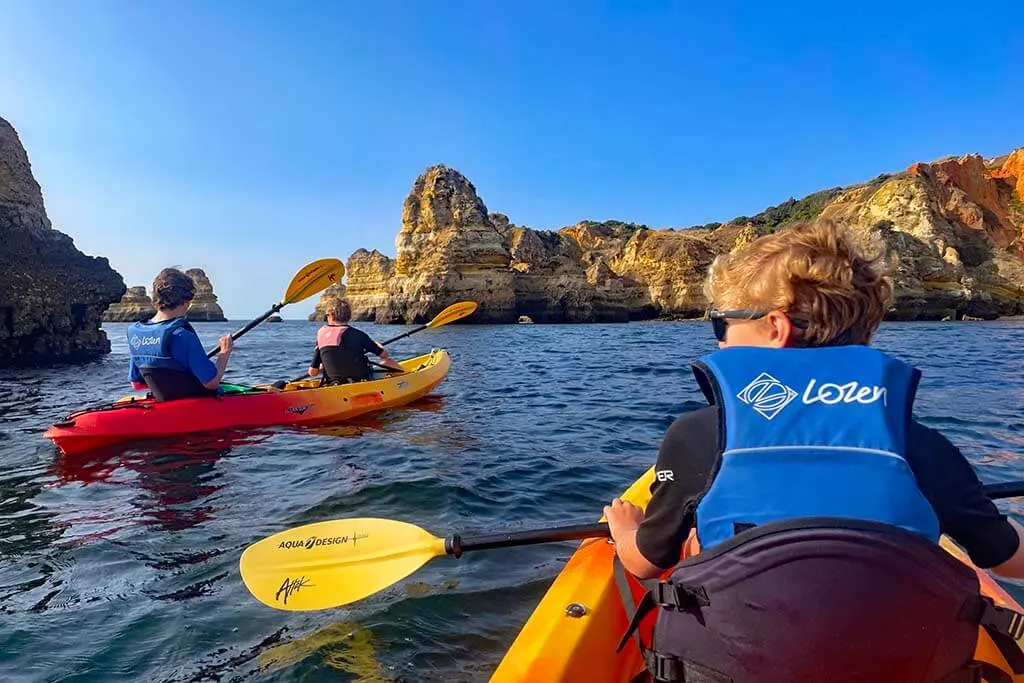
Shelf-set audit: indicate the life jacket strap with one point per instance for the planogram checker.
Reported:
(668, 669)
(632, 609)
(1005, 626)
(666, 594)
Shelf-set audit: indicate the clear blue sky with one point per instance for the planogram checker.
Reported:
(249, 137)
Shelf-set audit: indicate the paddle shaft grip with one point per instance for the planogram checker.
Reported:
(405, 334)
(274, 309)
(456, 544)
(1005, 489)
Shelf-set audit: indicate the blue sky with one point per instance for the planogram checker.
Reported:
(249, 137)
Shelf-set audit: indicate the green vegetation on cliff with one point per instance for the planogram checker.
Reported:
(798, 211)
(791, 210)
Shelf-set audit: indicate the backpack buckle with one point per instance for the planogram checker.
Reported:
(680, 596)
(662, 668)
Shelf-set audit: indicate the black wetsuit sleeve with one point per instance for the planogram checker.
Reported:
(687, 461)
(364, 343)
(951, 485)
(316, 362)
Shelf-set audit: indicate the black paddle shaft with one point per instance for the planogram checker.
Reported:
(273, 309)
(1004, 489)
(456, 544)
(405, 334)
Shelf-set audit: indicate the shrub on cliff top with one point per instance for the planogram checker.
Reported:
(791, 210)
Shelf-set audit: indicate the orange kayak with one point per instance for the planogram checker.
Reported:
(573, 632)
(302, 403)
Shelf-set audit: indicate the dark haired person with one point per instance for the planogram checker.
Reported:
(166, 354)
(341, 349)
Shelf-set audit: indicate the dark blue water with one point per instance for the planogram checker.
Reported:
(125, 566)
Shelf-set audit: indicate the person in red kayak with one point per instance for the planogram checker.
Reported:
(166, 354)
(815, 497)
(341, 349)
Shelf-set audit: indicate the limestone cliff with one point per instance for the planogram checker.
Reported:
(52, 296)
(369, 273)
(134, 305)
(204, 308)
(952, 227)
(448, 250)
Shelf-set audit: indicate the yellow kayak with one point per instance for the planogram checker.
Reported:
(573, 632)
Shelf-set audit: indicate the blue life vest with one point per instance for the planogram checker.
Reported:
(150, 344)
(810, 432)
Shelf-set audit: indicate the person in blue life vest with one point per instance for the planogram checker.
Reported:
(816, 499)
(341, 349)
(166, 354)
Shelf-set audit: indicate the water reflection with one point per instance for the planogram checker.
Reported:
(165, 489)
(343, 646)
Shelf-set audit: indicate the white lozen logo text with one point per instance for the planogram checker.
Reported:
(850, 392)
(768, 396)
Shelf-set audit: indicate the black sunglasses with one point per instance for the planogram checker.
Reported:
(720, 325)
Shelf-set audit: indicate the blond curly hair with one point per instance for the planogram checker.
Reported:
(815, 273)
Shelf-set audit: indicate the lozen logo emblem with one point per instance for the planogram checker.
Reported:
(136, 342)
(767, 395)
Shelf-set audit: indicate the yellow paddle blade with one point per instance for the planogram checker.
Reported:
(313, 278)
(328, 564)
(454, 312)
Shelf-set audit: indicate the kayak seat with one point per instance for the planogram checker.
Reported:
(817, 600)
(341, 365)
(173, 385)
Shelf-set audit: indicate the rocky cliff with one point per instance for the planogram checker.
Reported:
(448, 250)
(954, 232)
(953, 228)
(52, 296)
(134, 305)
(204, 308)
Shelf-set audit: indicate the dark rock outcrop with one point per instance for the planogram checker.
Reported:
(52, 296)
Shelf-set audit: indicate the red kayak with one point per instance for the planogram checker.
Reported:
(298, 403)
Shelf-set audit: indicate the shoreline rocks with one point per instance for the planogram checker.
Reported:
(954, 229)
(52, 296)
(205, 308)
(135, 305)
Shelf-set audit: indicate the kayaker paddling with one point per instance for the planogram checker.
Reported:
(815, 497)
(341, 349)
(166, 354)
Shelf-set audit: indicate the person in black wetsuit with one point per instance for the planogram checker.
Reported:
(341, 349)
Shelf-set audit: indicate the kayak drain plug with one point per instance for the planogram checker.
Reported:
(575, 610)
